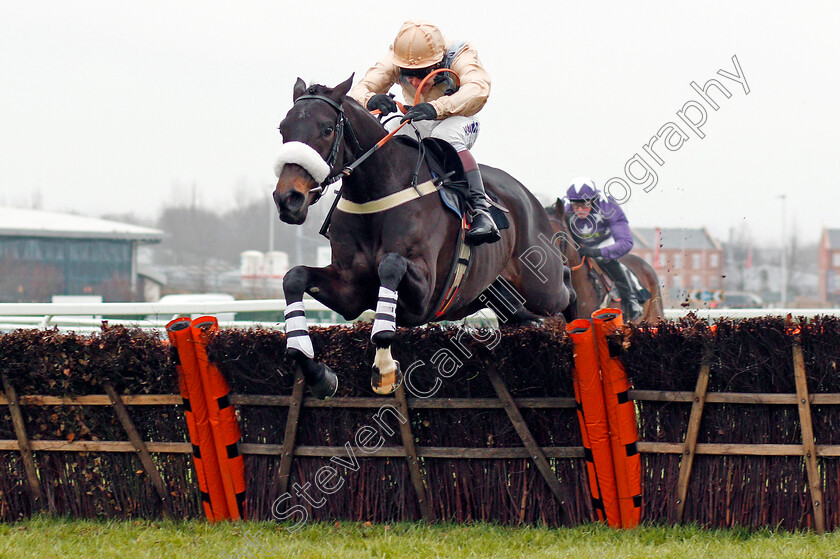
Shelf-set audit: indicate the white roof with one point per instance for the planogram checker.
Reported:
(36, 223)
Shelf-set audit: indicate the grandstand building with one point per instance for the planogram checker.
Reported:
(43, 254)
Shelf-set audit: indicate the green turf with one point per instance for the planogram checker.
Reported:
(45, 537)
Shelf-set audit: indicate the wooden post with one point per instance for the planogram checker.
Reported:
(288, 452)
(24, 446)
(808, 444)
(411, 455)
(690, 444)
(528, 440)
(140, 447)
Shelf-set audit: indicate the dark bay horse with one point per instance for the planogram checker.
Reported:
(396, 260)
(589, 294)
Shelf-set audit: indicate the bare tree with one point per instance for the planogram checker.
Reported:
(800, 260)
(739, 256)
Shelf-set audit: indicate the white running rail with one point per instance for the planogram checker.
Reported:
(88, 317)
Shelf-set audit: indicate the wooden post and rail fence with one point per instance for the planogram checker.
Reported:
(496, 452)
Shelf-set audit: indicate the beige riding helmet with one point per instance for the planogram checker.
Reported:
(419, 44)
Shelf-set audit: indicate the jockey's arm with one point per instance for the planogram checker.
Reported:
(474, 87)
(621, 234)
(378, 79)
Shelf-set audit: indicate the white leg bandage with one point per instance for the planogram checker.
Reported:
(297, 333)
(386, 312)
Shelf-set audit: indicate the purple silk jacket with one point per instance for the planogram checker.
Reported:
(605, 222)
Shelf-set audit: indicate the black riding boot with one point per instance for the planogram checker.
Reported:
(482, 227)
(630, 306)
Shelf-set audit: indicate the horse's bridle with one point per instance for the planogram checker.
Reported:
(562, 245)
(342, 127)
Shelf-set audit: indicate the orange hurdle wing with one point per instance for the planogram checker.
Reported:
(621, 415)
(206, 464)
(223, 420)
(592, 415)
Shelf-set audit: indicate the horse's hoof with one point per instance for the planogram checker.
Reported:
(386, 382)
(327, 386)
(385, 338)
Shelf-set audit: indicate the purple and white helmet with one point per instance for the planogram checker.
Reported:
(582, 189)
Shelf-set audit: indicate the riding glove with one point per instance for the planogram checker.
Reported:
(384, 103)
(421, 111)
(590, 251)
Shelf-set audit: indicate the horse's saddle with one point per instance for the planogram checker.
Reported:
(448, 173)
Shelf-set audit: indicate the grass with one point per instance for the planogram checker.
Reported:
(48, 537)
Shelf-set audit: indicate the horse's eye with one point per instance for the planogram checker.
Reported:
(328, 130)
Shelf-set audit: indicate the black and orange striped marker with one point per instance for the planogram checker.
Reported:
(222, 417)
(213, 498)
(592, 416)
(621, 417)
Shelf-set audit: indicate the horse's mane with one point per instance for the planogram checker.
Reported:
(318, 89)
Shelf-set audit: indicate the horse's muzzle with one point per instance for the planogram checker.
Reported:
(291, 206)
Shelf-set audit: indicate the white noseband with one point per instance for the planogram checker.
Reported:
(303, 155)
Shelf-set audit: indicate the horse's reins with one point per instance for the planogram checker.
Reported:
(349, 169)
(343, 124)
(563, 244)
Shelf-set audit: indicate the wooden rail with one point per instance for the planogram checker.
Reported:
(296, 402)
(645, 447)
(693, 430)
(782, 399)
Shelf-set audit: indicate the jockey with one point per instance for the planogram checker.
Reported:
(446, 110)
(599, 225)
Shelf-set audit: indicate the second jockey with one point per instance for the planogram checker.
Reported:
(600, 227)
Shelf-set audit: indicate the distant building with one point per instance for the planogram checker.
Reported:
(829, 267)
(44, 254)
(262, 272)
(686, 260)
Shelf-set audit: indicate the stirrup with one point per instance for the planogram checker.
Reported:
(633, 310)
(489, 235)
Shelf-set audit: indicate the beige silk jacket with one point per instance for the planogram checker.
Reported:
(467, 101)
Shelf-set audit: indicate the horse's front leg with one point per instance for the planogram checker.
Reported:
(325, 285)
(385, 377)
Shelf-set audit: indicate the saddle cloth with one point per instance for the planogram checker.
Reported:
(448, 173)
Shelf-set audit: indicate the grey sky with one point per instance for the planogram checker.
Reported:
(118, 107)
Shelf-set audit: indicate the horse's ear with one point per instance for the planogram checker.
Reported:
(300, 88)
(559, 206)
(341, 89)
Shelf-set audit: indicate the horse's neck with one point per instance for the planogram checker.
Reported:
(570, 253)
(588, 291)
(387, 171)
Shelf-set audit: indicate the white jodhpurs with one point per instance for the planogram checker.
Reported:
(460, 131)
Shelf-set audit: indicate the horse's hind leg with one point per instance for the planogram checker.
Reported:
(322, 381)
(385, 376)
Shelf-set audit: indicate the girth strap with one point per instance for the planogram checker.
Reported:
(387, 202)
(458, 272)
